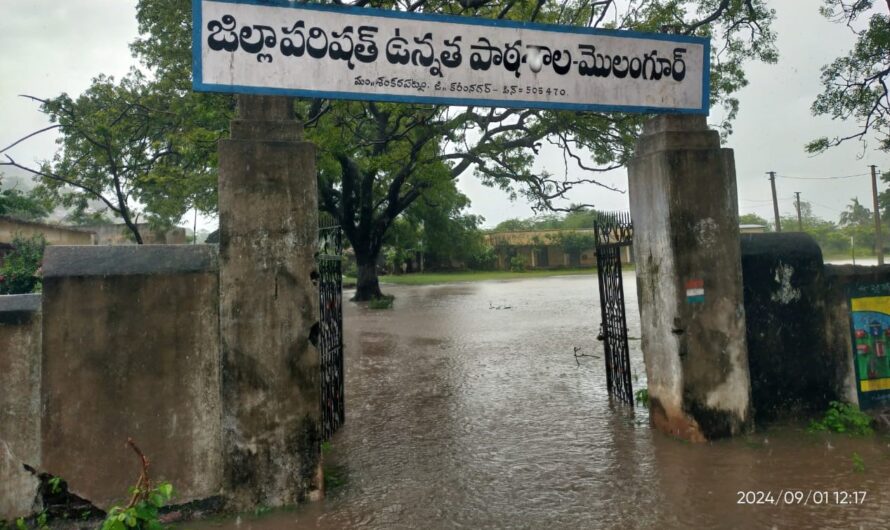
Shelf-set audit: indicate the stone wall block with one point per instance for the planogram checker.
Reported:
(131, 349)
(20, 342)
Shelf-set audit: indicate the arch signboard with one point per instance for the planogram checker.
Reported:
(275, 47)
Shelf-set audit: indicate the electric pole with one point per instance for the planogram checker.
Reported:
(797, 205)
(772, 181)
(879, 245)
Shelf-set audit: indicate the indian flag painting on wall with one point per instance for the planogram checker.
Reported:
(695, 291)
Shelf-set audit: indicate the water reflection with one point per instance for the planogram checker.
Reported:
(462, 415)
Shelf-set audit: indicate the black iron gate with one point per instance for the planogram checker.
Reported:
(330, 339)
(613, 233)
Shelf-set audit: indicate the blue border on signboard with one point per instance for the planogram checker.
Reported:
(198, 83)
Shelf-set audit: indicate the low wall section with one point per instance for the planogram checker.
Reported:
(20, 325)
(131, 349)
(837, 333)
(798, 328)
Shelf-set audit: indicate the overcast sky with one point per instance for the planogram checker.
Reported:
(51, 47)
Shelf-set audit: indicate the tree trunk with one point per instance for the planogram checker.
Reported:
(367, 285)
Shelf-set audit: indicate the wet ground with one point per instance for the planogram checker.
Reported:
(467, 409)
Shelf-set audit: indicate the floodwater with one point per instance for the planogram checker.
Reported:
(466, 408)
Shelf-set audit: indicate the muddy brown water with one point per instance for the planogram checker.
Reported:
(467, 409)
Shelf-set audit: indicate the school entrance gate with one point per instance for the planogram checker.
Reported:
(687, 274)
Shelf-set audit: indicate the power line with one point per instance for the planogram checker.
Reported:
(767, 200)
(823, 178)
(824, 206)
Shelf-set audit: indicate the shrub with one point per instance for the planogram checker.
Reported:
(843, 418)
(20, 272)
(485, 258)
(517, 264)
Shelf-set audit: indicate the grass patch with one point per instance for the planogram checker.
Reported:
(861, 252)
(478, 276)
(383, 302)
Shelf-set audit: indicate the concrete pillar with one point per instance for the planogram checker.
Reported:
(689, 281)
(269, 307)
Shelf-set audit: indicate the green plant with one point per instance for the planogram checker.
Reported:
(20, 271)
(40, 522)
(642, 396)
(858, 463)
(262, 510)
(381, 302)
(141, 513)
(55, 485)
(484, 258)
(517, 264)
(843, 418)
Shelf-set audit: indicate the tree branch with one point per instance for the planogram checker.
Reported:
(35, 133)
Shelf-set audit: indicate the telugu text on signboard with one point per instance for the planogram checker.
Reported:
(272, 47)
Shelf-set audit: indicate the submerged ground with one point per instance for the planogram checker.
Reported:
(467, 409)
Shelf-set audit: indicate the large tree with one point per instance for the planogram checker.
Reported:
(127, 148)
(377, 159)
(855, 85)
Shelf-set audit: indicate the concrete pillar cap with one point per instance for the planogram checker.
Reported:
(675, 123)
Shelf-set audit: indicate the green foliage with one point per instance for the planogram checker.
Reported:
(25, 206)
(40, 522)
(381, 302)
(573, 242)
(122, 145)
(579, 217)
(642, 396)
(855, 214)
(262, 510)
(55, 485)
(754, 219)
(515, 225)
(484, 258)
(855, 85)
(517, 264)
(143, 515)
(855, 222)
(858, 463)
(436, 227)
(20, 271)
(843, 418)
(394, 258)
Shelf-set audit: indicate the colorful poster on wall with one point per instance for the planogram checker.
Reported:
(870, 325)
